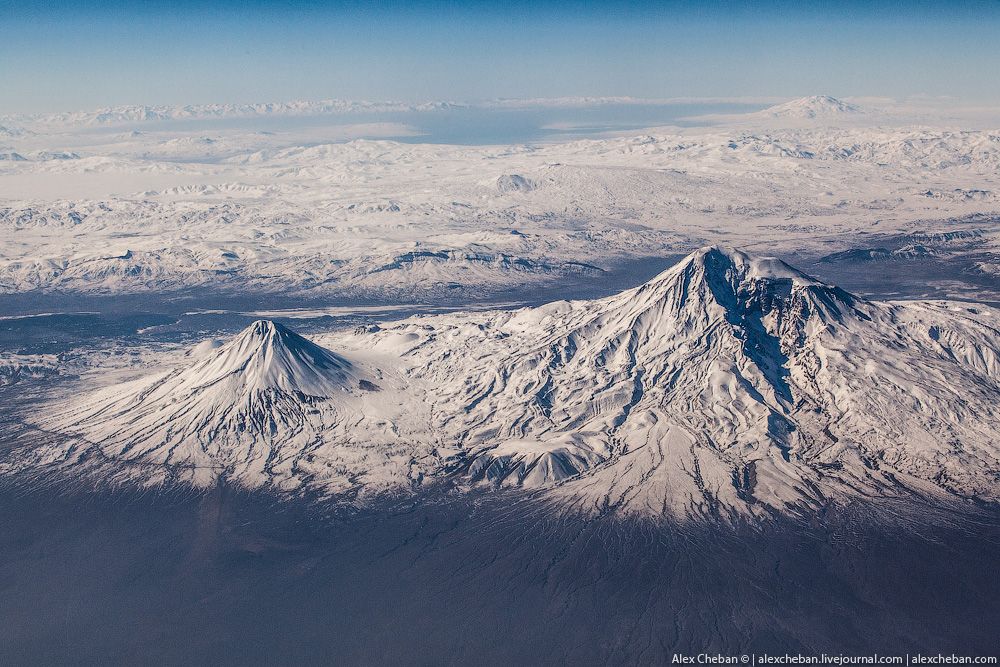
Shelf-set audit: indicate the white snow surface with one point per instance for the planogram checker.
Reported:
(731, 385)
(728, 386)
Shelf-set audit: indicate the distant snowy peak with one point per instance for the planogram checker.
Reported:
(799, 113)
(814, 106)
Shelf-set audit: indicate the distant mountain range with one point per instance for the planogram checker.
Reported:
(132, 114)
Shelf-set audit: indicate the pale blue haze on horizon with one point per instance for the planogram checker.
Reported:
(66, 56)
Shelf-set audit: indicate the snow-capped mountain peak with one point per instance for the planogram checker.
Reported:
(268, 356)
(667, 397)
(714, 286)
(245, 410)
(717, 267)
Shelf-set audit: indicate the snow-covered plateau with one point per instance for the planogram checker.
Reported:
(324, 210)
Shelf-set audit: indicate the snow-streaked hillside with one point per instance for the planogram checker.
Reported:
(727, 386)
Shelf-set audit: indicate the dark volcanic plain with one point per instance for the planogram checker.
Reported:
(230, 577)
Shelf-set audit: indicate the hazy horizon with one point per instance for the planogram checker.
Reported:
(66, 56)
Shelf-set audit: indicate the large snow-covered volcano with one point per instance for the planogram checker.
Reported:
(725, 386)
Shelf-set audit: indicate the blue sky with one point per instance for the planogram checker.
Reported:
(75, 55)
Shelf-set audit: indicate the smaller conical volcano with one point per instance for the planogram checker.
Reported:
(234, 410)
(268, 356)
